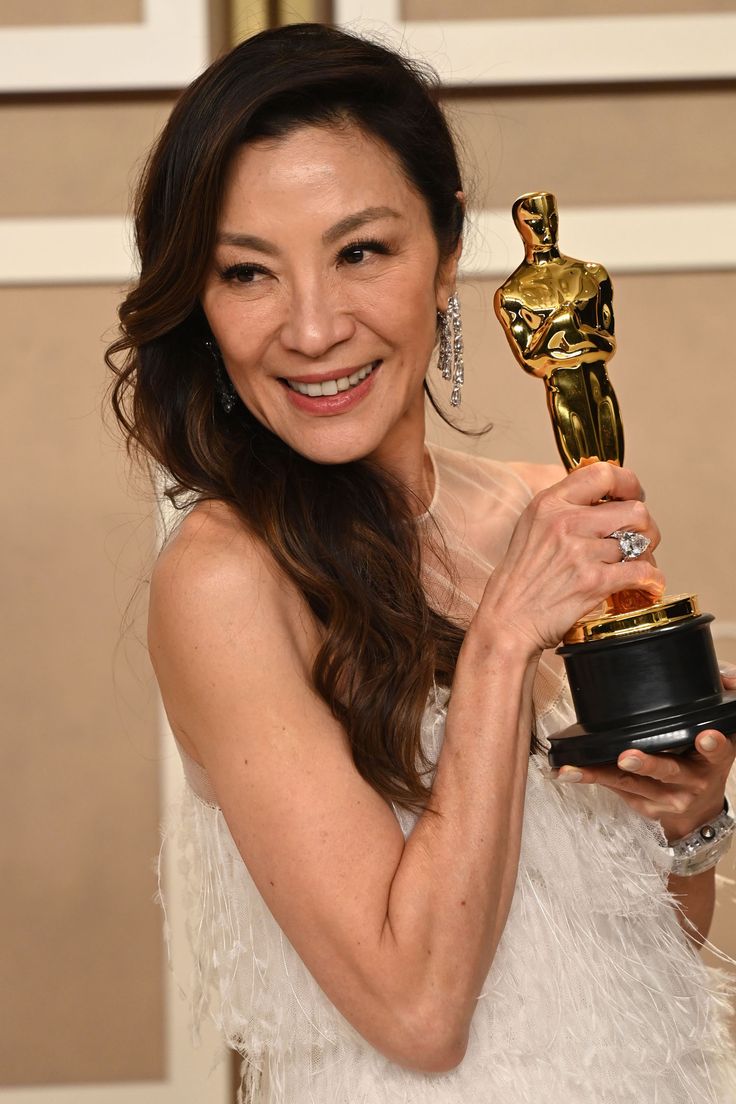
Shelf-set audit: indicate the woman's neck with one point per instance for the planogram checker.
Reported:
(406, 457)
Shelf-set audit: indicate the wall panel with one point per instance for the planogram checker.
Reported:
(83, 988)
(599, 147)
(35, 13)
(76, 158)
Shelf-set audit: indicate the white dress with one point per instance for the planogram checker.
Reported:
(595, 995)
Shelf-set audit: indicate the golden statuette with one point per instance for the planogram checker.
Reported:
(557, 313)
(642, 674)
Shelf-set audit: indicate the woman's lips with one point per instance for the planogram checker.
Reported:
(332, 404)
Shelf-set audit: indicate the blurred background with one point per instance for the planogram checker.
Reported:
(628, 118)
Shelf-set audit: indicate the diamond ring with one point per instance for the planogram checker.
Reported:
(632, 544)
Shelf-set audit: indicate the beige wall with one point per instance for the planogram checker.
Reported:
(74, 157)
(82, 993)
(33, 13)
(82, 998)
(598, 147)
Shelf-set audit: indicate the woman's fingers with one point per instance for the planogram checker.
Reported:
(566, 506)
(634, 767)
(641, 574)
(716, 749)
(633, 771)
(562, 562)
(682, 791)
(591, 484)
(728, 674)
(613, 517)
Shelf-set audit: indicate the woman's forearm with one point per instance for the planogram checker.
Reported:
(695, 898)
(452, 890)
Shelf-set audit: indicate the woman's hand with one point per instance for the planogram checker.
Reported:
(680, 791)
(560, 564)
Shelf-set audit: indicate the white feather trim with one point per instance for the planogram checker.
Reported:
(595, 995)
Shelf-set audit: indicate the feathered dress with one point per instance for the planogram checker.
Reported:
(595, 995)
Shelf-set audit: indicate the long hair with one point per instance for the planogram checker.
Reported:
(344, 534)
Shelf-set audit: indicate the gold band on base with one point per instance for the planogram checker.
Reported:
(666, 612)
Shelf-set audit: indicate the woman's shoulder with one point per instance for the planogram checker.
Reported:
(211, 547)
(213, 569)
(217, 600)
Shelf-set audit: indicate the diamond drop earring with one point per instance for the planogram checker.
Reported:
(450, 361)
(226, 393)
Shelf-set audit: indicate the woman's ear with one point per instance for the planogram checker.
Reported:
(447, 271)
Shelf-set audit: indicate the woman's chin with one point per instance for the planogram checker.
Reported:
(344, 453)
(330, 444)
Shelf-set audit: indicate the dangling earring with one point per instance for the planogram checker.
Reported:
(444, 360)
(226, 393)
(450, 360)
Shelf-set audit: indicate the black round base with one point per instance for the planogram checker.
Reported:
(653, 690)
(578, 746)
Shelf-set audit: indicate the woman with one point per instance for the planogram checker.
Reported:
(391, 897)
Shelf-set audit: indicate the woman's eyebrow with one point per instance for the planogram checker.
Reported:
(344, 226)
(247, 241)
(353, 222)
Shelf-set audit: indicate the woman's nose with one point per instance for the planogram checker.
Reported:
(317, 320)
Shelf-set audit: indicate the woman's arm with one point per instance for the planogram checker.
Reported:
(399, 936)
(696, 900)
(682, 792)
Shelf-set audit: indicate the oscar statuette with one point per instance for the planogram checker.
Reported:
(643, 673)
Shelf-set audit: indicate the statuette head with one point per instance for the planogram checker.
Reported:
(535, 217)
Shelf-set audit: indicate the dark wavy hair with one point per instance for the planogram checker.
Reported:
(343, 533)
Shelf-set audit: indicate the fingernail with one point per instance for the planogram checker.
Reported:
(728, 670)
(566, 775)
(630, 763)
(708, 743)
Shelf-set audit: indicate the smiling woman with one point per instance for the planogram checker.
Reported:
(316, 316)
(391, 899)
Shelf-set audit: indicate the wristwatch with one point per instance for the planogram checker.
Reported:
(701, 849)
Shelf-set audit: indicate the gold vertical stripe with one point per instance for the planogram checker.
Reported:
(297, 11)
(247, 17)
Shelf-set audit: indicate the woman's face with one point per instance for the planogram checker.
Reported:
(325, 280)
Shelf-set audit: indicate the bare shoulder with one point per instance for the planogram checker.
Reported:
(210, 553)
(217, 596)
(537, 477)
(213, 564)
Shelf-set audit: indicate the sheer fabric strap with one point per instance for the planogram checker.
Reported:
(197, 777)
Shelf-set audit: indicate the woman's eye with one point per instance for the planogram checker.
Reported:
(241, 274)
(357, 252)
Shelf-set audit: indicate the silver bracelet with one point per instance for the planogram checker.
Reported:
(701, 849)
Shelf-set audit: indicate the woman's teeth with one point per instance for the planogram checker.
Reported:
(332, 387)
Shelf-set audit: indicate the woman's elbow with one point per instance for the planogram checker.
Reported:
(433, 1046)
